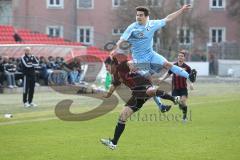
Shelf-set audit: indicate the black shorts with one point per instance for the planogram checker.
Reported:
(180, 92)
(139, 97)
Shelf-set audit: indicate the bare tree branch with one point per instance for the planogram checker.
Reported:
(233, 9)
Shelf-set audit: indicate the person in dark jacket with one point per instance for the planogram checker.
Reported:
(29, 62)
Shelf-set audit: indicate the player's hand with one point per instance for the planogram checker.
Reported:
(132, 67)
(107, 95)
(186, 7)
(191, 86)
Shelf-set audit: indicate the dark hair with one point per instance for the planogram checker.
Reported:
(182, 52)
(143, 9)
(111, 61)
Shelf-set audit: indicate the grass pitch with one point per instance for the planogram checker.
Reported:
(213, 131)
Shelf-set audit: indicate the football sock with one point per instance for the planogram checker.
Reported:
(118, 131)
(184, 110)
(158, 101)
(179, 71)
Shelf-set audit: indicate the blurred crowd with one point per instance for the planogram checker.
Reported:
(51, 71)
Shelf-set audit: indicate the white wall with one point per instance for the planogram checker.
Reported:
(229, 68)
(201, 67)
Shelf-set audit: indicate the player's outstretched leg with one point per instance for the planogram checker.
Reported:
(179, 71)
(158, 61)
(164, 95)
(112, 143)
(160, 93)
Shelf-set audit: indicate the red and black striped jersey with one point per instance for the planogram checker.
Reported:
(131, 80)
(179, 82)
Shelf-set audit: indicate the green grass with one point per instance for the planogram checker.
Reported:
(212, 133)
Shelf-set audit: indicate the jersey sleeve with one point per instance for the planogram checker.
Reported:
(188, 69)
(157, 24)
(127, 33)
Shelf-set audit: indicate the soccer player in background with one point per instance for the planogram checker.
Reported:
(179, 84)
(29, 62)
(141, 88)
(140, 36)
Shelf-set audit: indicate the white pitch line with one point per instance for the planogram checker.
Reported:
(27, 121)
(54, 118)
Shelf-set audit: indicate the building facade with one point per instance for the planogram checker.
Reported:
(93, 22)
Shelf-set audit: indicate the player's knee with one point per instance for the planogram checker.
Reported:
(122, 118)
(125, 114)
(150, 92)
(184, 100)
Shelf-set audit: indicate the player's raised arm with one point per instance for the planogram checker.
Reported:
(113, 52)
(174, 15)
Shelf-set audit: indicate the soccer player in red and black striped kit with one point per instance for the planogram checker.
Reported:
(141, 88)
(29, 62)
(179, 84)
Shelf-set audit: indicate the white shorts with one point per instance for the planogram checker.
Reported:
(154, 65)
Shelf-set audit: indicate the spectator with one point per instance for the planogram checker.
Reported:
(58, 63)
(211, 64)
(9, 71)
(1, 72)
(17, 37)
(43, 69)
(75, 73)
(51, 63)
(62, 74)
(18, 73)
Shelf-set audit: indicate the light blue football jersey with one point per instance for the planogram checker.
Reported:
(141, 39)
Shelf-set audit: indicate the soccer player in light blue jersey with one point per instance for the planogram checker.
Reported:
(140, 36)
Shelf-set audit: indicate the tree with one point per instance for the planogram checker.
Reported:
(1, 10)
(159, 9)
(233, 9)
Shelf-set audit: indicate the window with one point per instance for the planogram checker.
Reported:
(55, 3)
(85, 4)
(217, 35)
(117, 31)
(118, 3)
(85, 35)
(55, 31)
(183, 2)
(185, 36)
(217, 3)
(153, 3)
